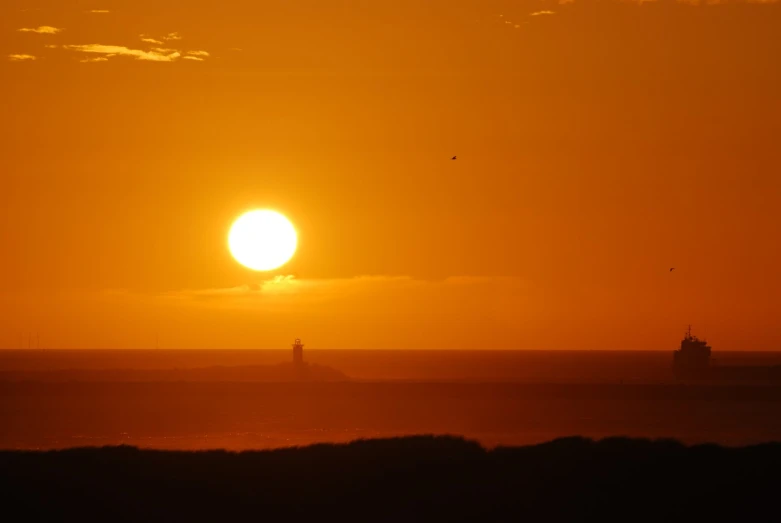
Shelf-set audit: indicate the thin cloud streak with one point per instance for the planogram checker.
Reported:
(541, 13)
(111, 50)
(21, 57)
(170, 37)
(44, 30)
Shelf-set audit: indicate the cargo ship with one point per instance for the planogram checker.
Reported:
(692, 363)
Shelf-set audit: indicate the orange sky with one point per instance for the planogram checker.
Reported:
(598, 143)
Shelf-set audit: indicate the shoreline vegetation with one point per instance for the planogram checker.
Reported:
(417, 478)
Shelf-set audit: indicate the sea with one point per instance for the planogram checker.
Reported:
(497, 398)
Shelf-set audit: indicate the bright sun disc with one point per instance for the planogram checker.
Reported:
(262, 240)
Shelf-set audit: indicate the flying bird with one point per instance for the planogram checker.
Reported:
(453, 158)
(672, 269)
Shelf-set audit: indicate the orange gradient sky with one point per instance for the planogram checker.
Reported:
(599, 144)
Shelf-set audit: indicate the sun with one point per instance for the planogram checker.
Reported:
(262, 240)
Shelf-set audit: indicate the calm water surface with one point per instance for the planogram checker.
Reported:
(497, 398)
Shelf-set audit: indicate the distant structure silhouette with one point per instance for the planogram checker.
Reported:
(298, 352)
(693, 356)
(693, 362)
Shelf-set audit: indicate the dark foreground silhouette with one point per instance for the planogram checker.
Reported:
(407, 479)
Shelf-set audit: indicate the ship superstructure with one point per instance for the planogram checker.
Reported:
(693, 358)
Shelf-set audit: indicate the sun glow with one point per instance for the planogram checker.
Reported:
(262, 240)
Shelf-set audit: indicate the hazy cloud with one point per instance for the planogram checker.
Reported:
(198, 53)
(172, 36)
(111, 50)
(539, 13)
(149, 40)
(21, 57)
(96, 59)
(282, 285)
(99, 11)
(194, 58)
(401, 311)
(284, 288)
(44, 30)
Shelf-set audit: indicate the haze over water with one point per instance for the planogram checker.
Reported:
(423, 365)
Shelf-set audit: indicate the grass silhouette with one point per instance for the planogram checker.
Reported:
(419, 478)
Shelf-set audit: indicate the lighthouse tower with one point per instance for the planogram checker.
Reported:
(298, 352)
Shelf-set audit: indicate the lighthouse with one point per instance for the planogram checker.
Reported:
(298, 352)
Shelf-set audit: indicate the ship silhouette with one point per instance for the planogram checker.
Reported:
(693, 356)
(692, 362)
